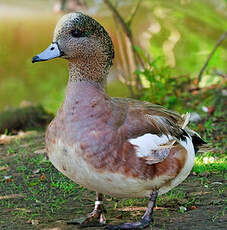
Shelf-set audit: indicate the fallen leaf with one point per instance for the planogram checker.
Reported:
(24, 145)
(195, 92)
(193, 207)
(4, 139)
(25, 103)
(118, 217)
(217, 183)
(36, 171)
(130, 209)
(200, 127)
(42, 177)
(194, 174)
(199, 193)
(7, 168)
(57, 228)
(196, 81)
(40, 151)
(23, 209)
(204, 174)
(210, 110)
(218, 138)
(11, 196)
(9, 180)
(35, 222)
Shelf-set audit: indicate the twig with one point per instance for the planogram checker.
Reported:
(220, 40)
(63, 4)
(134, 13)
(119, 18)
(126, 29)
(123, 58)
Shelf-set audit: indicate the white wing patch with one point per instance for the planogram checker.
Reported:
(187, 144)
(148, 142)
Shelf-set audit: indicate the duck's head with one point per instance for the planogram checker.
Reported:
(81, 40)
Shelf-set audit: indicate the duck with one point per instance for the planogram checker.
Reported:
(120, 147)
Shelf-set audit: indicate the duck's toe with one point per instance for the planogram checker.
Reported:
(95, 218)
(91, 220)
(146, 220)
(137, 225)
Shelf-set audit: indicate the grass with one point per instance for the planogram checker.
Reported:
(210, 162)
(41, 188)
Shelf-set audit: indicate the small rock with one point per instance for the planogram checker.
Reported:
(40, 151)
(204, 174)
(36, 171)
(211, 159)
(224, 92)
(182, 209)
(42, 177)
(217, 183)
(194, 117)
(34, 222)
(6, 168)
(8, 178)
(194, 174)
(25, 104)
(205, 160)
(205, 109)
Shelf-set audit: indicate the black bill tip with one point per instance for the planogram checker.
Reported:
(36, 59)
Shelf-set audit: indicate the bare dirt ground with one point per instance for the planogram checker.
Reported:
(33, 195)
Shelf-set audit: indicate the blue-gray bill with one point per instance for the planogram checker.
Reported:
(51, 52)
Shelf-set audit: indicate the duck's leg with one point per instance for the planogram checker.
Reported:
(146, 219)
(96, 217)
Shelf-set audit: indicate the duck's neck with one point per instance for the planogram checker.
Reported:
(87, 71)
(81, 87)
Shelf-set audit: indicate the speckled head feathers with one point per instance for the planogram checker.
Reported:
(81, 38)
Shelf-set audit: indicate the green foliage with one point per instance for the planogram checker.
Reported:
(159, 83)
(190, 31)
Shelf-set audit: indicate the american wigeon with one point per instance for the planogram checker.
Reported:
(115, 146)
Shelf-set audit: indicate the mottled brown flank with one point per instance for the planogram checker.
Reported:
(103, 137)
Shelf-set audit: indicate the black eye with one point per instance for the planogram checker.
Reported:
(77, 33)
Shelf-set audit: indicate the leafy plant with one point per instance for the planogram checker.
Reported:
(160, 86)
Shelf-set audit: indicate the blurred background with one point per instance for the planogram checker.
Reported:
(168, 52)
(172, 40)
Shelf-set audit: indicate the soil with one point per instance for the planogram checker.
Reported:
(33, 195)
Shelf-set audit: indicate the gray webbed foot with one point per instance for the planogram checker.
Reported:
(95, 218)
(145, 221)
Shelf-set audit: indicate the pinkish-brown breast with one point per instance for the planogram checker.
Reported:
(91, 119)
